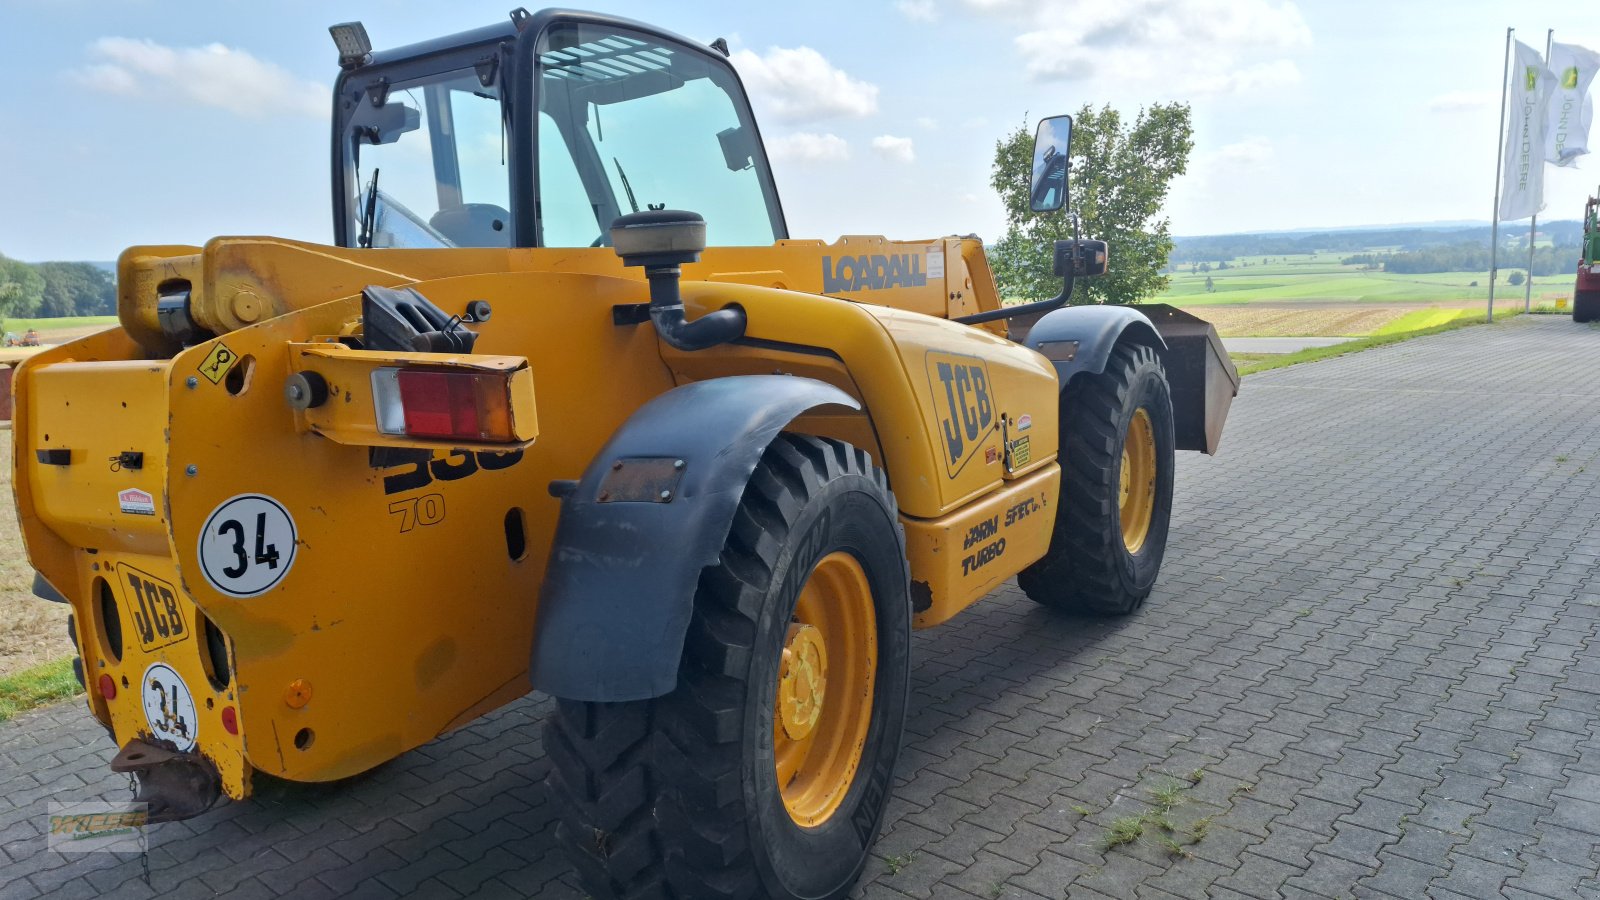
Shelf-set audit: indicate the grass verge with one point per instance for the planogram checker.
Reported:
(36, 687)
(1423, 319)
(51, 324)
(1250, 363)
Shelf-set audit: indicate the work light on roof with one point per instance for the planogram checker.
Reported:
(352, 42)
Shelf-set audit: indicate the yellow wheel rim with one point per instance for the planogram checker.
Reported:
(825, 689)
(1136, 502)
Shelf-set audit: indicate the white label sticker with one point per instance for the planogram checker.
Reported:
(135, 502)
(936, 262)
(168, 707)
(247, 545)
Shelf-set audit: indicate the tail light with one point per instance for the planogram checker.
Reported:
(445, 405)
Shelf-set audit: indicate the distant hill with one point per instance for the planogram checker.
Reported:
(1215, 248)
(109, 268)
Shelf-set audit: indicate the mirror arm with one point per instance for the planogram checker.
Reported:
(1006, 312)
(1038, 306)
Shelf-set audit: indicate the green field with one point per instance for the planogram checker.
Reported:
(21, 325)
(1321, 278)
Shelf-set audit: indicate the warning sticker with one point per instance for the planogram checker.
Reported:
(135, 502)
(1021, 453)
(936, 262)
(217, 363)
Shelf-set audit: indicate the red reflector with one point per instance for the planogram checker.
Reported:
(108, 687)
(462, 405)
(230, 720)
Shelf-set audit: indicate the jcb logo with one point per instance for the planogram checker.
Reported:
(965, 403)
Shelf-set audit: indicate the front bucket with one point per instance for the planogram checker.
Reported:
(1202, 376)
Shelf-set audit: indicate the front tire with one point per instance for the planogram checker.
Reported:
(1586, 306)
(766, 771)
(1117, 455)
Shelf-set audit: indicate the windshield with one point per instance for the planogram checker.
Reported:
(628, 122)
(435, 149)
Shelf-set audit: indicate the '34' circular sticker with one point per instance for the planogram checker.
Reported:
(169, 707)
(247, 545)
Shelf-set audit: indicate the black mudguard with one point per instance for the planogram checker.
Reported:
(1202, 378)
(1079, 338)
(632, 538)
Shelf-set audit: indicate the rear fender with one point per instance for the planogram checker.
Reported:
(1079, 339)
(1201, 376)
(638, 528)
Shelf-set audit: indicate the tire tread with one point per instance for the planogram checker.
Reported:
(650, 791)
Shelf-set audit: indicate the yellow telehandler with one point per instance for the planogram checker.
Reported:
(564, 407)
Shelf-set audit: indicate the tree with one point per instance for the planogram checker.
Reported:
(1210, 285)
(1119, 178)
(21, 288)
(1516, 278)
(76, 289)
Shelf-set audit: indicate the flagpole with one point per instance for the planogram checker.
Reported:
(1499, 161)
(1533, 224)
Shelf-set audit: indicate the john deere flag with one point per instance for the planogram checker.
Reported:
(1570, 110)
(1522, 193)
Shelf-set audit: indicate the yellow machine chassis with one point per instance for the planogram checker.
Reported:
(409, 609)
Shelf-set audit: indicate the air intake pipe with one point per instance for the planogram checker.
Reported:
(662, 240)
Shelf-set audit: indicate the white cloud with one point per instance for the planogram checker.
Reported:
(928, 122)
(798, 84)
(897, 149)
(1259, 77)
(918, 10)
(1194, 47)
(214, 75)
(1463, 101)
(1252, 151)
(807, 147)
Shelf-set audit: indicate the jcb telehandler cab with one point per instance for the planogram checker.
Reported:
(566, 407)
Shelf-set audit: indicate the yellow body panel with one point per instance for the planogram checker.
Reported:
(959, 558)
(408, 606)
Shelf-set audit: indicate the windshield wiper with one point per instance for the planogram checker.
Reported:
(625, 185)
(369, 216)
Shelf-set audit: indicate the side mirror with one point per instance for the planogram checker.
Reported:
(736, 151)
(385, 124)
(1052, 145)
(1082, 258)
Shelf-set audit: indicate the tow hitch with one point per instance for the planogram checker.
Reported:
(173, 785)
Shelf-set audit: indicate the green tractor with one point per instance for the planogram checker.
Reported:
(1586, 291)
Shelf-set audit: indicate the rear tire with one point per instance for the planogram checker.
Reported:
(77, 658)
(1090, 566)
(1586, 306)
(679, 797)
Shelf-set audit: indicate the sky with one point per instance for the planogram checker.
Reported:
(143, 122)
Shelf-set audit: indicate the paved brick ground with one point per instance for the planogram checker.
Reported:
(1370, 669)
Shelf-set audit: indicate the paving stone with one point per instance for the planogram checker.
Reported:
(1383, 655)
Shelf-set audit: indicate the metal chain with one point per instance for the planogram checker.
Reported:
(144, 843)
